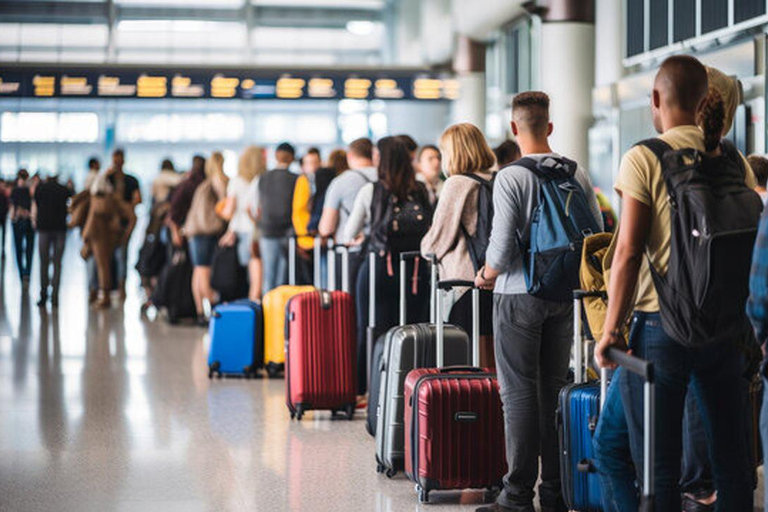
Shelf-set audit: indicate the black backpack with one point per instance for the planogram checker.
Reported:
(228, 277)
(478, 243)
(174, 287)
(398, 226)
(152, 256)
(714, 218)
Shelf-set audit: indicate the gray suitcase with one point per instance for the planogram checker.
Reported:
(407, 347)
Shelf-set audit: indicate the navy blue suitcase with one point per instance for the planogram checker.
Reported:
(578, 412)
(237, 340)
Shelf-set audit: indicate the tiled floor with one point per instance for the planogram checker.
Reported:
(106, 411)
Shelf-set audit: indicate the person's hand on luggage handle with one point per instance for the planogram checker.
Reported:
(228, 239)
(613, 338)
(358, 240)
(486, 278)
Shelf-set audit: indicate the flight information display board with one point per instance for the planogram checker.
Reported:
(120, 82)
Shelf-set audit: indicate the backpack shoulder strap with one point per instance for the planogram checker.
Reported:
(362, 175)
(657, 146)
(730, 151)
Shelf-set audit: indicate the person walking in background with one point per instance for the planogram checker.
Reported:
(506, 153)
(21, 220)
(93, 277)
(94, 166)
(203, 227)
(337, 160)
(274, 219)
(127, 188)
(468, 163)
(51, 221)
(5, 206)
(759, 165)
(110, 222)
(532, 335)
(243, 203)
(429, 172)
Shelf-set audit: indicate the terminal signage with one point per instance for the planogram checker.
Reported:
(120, 82)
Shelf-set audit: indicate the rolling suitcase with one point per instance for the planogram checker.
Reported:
(405, 348)
(454, 425)
(237, 342)
(577, 415)
(320, 353)
(274, 303)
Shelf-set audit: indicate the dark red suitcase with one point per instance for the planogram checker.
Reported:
(321, 352)
(454, 424)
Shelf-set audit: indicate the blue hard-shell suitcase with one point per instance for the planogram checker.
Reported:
(237, 340)
(578, 412)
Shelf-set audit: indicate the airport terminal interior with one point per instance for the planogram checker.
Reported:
(110, 396)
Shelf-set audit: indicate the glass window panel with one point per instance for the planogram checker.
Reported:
(49, 127)
(747, 9)
(635, 27)
(714, 15)
(275, 38)
(84, 35)
(10, 33)
(684, 19)
(658, 23)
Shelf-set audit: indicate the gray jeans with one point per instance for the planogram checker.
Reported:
(51, 246)
(533, 340)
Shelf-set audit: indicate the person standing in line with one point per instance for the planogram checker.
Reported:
(51, 221)
(127, 188)
(532, 336)
(181, 199)
(759, 165)
(203, 228)
(714, 373)
(243, 203)
(506, 153)
(21, 220)
(275, 215)
(337, 160)
(429, 173)
(303, 196)
(467, 160)
(167, 180)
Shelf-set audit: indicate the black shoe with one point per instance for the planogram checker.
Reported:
(691, 505)
(493, 508)
(41, 302)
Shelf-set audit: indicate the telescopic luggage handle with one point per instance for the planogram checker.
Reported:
(292, 260)
(343, 250)
(580, 362)
(448, 285)
(317, 246)
(644, 369)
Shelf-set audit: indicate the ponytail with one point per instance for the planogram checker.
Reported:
(711, 119)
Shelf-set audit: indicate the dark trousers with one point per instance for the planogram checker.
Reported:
(387, 303)
(715, 377)
(4, 227)
(51, 249)
(24, 241)
(533, 339)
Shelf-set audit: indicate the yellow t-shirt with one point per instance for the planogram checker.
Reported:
(302, 211)
(640, 178)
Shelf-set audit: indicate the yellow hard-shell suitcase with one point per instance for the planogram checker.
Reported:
(274, 304)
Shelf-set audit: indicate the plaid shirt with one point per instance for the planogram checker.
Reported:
(757, 305)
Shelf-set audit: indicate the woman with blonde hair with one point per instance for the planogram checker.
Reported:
(468, 163)
(203, 227)
(242, 206)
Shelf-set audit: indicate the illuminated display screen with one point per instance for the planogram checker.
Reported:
(131, 82)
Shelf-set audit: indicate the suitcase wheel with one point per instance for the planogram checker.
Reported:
(273, 370)
(423, 494)
(390, 472)
(293, 415)
(380, 468)
(299, 412)
(213, 368)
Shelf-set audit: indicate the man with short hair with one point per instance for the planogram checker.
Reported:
(51, 222)
(275, 215)
(714, 373)
(533, 336)
(759, 165)
(127, 188)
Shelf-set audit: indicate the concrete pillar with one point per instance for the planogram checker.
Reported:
(469, 65)
(609, 47)
(567, 73)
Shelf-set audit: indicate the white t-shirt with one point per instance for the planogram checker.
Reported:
(246, 197)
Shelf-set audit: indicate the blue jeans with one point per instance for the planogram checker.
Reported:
(121, 264)
(274, 261)
(714, 375)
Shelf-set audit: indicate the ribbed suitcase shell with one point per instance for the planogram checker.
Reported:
(400, 344)
(578, 412)
(236, 339)
(274, 303)
(321, 351)
(454, 429)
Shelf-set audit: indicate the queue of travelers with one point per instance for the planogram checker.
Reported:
(471, 207)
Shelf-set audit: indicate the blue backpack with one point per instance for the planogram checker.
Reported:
(560, 223)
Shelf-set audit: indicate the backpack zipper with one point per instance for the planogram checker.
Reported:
(568, 204)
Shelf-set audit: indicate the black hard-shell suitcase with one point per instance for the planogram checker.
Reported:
(174, 287)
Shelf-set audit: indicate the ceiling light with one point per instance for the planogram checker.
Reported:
(360, 27)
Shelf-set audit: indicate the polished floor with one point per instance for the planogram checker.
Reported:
(109, 411)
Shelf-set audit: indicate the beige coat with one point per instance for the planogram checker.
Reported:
(457, 206)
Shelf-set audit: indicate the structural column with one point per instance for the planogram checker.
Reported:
(567, 72)
(469, 65)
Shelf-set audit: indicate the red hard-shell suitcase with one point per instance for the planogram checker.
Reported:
(454, 424)
(320, 353)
